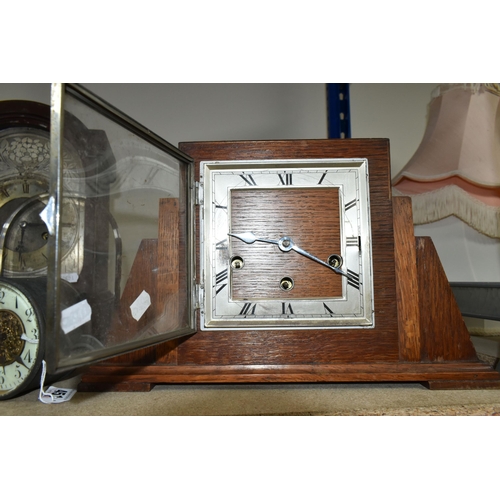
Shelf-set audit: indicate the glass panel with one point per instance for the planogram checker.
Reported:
(122, 242)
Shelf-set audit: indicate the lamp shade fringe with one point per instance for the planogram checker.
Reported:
(451, 200)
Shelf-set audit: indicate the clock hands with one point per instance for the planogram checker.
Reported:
(29, 340)
(20, 247)
(285, 244)
(251, 238)
(28, 239)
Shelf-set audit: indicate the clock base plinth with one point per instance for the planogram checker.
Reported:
(461, 384)
(431, 375)
(120, 386)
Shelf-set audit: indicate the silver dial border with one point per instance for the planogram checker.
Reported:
(207, 168)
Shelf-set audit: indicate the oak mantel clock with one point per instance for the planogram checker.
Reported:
(214, 262)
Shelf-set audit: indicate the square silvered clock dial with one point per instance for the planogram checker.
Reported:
(286, 244)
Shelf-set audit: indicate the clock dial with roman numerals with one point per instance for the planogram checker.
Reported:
(286, 244)
(24, 188)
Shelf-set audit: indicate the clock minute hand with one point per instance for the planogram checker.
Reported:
(319, 261)
(285, 244)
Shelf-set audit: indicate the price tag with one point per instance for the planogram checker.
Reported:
(76, 315)
(140, 305)
(55, 395)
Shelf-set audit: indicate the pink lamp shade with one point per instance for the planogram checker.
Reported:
(456, 168)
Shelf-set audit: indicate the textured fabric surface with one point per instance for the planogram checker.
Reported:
(265, 400)
(456, 168)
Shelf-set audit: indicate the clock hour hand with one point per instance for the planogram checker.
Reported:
(20, 248)
(251, 238)
(285, 244)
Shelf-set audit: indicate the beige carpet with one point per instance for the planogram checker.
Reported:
(276, 399)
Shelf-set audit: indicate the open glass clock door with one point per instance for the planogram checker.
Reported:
(122, 261)
(97, 250)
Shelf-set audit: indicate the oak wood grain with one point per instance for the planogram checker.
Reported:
(142, 277)
(444, 334)
(311, 346)
(309, 216)
(407, 281)
(445, 373)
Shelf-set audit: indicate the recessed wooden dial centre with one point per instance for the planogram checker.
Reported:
(310, 217)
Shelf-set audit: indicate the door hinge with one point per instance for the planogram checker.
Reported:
(198, 193)
(199, 296)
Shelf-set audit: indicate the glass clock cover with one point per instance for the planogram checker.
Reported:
(119, 261)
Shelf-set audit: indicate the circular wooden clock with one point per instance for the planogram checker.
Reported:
(287, 244)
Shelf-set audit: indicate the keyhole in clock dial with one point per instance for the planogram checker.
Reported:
(286, 284)
(335, 261)
(237, 262)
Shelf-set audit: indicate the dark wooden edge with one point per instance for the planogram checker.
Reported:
(119, 386)
(19, 113)
(461, 384)
(363, 372)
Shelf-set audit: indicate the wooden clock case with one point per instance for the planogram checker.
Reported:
(419, 334)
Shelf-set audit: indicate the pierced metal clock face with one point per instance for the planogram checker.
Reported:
(24, 186)
(286, 244)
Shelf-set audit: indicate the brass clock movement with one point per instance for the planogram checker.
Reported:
(215, 262)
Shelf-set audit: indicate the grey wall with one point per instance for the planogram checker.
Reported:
(397, 111)
(199, 112)
(204, 112)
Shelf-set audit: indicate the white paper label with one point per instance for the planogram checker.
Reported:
(75, 316)
(53, 394)
(70, 277)
(47, 215)
(140, 305)
(57, 395)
